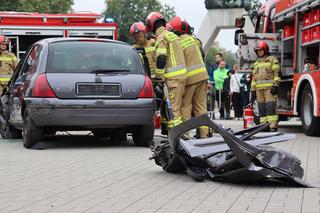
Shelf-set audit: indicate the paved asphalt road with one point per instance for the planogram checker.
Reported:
(88, 174)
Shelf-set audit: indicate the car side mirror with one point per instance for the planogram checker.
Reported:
(240, 22)
(236, 36)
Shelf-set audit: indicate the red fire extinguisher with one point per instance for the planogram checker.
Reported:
(157, 120)
(248, 117)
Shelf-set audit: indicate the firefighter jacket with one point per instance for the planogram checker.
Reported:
(168, 44)
(8, 62)
(149, 48)
(265, 73)
(196, 69)
(219, 76)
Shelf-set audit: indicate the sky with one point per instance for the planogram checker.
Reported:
(193, 10)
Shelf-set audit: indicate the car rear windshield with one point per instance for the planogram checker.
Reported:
(92, 56)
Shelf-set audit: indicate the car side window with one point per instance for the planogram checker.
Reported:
(32, 60)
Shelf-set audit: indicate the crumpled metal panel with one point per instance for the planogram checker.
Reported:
(235, 157)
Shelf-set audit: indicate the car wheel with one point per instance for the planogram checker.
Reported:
(143, 135)
(32, 134)
(310, 123)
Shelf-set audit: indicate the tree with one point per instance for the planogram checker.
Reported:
(254, 9)
(126, 12)
(11, 5)
(44, 6)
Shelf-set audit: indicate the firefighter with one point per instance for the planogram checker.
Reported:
(8, 62)
(170, 66)
(265, 84)
(138, 33)
(194, 100)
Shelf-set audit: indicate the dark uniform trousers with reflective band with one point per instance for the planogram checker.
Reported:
(8, 62)
(194, 100)
(174, 74)
(266, 75)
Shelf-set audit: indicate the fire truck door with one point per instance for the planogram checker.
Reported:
(14, 45)
(246, 54)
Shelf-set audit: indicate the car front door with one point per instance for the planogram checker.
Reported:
(20, 83)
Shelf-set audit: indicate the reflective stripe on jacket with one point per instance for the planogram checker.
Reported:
(8, 62)
(265, 73)
(150, 50)
(196, 69)
(168, 44)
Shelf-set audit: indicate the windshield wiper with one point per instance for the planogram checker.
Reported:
(107, 71)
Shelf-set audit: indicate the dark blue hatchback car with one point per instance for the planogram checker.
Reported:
(78, 84)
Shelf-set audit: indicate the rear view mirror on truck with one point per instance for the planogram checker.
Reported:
(236, 36)
(240, 22)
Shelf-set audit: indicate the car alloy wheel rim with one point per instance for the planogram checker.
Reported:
(308, 109)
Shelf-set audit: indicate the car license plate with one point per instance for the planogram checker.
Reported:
(98, 89)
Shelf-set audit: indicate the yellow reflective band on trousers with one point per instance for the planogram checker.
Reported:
(264, 85)
(175, 73)
(149, 49)
(162, 51)
(4, 58)
(272, 118)
(263, 119)
(171, 36)
(196, 71)
(174, 122)
(188, 42)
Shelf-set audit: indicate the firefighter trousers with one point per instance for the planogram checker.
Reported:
(267, 106)
(194, 102)
(176, 89)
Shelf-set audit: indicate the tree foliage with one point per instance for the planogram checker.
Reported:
(228, 56)
(41, 6)
(126, 12)
(254, 9)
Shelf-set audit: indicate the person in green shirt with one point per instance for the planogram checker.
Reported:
(220, 74)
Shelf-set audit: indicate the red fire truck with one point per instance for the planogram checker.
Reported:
(24, 29)
(292, 30)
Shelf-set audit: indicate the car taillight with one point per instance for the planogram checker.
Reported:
(42, 88)
(147, 90)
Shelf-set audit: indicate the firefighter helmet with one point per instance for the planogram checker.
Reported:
(152, 18)
(262, 45)
(137, 27)
(4, 39)
(179, 24)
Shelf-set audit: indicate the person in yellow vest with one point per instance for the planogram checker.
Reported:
(8, 62)
(194, 100)
(264, 85)
(170, 64)
(138, 33)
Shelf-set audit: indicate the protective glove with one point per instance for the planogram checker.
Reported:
(274, 90)
(253, 96)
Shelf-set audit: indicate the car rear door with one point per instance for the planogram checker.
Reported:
(94, 69)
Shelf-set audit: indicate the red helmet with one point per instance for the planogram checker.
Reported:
(262, 45)
(4, 39)
(151, 20)
(137, 27)
(179, 24)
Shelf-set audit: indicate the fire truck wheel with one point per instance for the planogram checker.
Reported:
(143, 135)
(32, 134)
(310, 123)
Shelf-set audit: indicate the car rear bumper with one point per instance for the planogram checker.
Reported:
(90, 113)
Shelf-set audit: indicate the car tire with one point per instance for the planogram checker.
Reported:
(310, 123)
(32, 134)
(143, 135)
